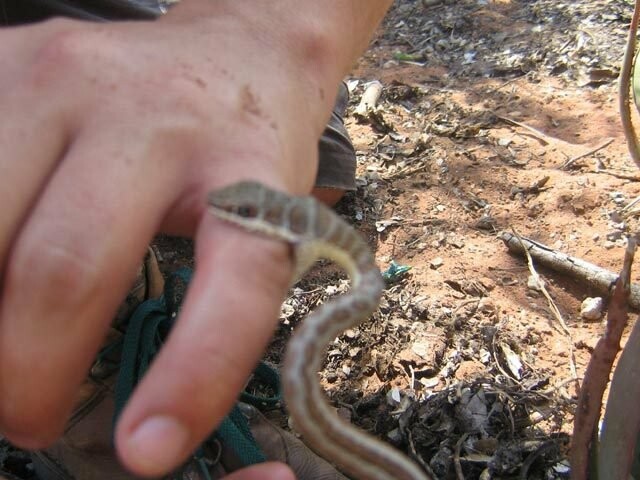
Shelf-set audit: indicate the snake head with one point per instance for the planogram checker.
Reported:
(255, 207)
(242, 200)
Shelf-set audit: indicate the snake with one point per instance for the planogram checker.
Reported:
(315, 232)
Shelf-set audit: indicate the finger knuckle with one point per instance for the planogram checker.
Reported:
(70, 52)
(190, 108)
(60, 272)
(59, 53)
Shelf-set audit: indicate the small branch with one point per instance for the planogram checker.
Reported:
(597, 278)
(571, 161)
(623, 176)
(595, 382)
(552, 306)
(622, 416)
(629, 209)
(625, 86)
(544, 138)
(508, 82)
(456, 457)
(540, 284)
(405, 172)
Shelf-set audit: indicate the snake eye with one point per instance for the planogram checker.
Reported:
(247, 211)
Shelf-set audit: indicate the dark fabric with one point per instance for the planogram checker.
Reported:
(337, 158)
(337, 166)
(14, 12)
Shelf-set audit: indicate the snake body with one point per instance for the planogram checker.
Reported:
(315, 232)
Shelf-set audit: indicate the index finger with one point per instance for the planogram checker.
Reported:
(227, 319)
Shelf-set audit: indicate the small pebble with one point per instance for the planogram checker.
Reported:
(437, 263)
(533, 283)
(592, 308)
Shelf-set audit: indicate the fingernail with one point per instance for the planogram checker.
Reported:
(157, 445)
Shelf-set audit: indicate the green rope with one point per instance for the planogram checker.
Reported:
(268, 377)
(145, 334)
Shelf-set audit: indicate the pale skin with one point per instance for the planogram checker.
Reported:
(110, 133)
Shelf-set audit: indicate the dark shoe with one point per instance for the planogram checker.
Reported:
(245, 437)
(85, 450)
(279, 445)
(149, 283)
(337, 156)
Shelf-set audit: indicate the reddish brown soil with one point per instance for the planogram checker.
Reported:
(446, 170)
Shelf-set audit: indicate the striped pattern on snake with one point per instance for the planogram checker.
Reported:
(314, 232)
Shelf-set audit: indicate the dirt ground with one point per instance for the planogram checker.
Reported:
(444, 168)
(465, 365)
(484, 104)
(489, 120)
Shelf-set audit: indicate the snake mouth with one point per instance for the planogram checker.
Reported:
(240, 211)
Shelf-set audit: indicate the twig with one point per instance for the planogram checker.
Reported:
(533, 131)
(629, 206)
(621, 417)
(412, 378)
(596, 378)
(633, 178)
(464, 304)
(540, 284)
(405, 171)
(597, 278)
(418, 458)
(629, 211)
(557, 387)
(552, 306)
(571, 161)
(625, 86)
(508, 82)
(456, 457)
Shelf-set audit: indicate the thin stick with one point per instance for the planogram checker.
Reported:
(552, 306)
(590, 275)
(633, 178)
(630, 205)
(508, 82)
(621, 418)
(544, 138)
(625, 86)
(595, 382)
(573, 160)
(405, 171)
(456, 457)
(540, 284)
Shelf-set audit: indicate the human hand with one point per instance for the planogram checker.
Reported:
(110, 133)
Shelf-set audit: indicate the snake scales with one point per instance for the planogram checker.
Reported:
(315, 232)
